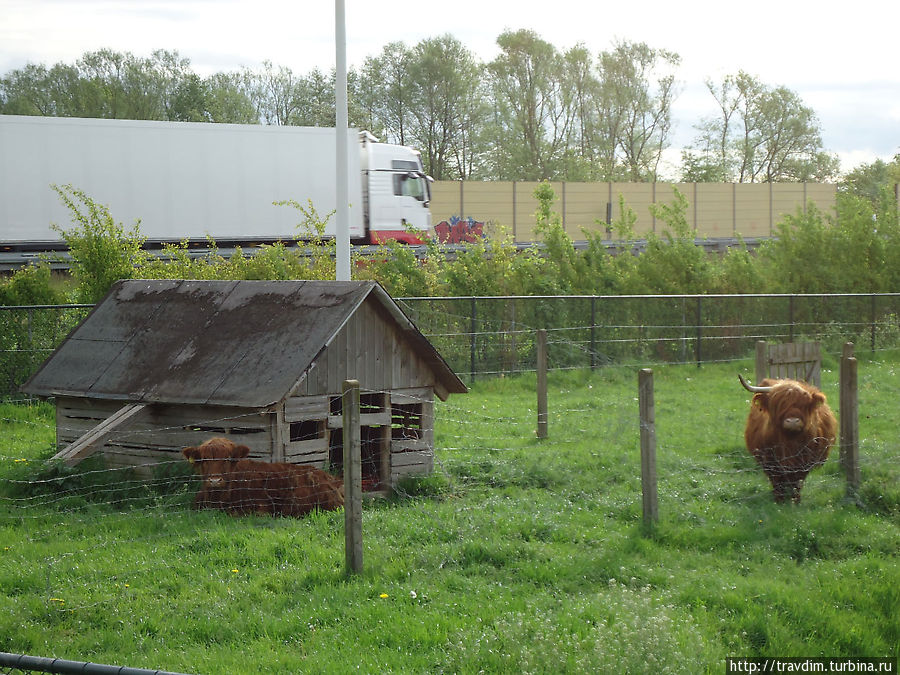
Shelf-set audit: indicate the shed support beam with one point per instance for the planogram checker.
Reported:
(94, 439)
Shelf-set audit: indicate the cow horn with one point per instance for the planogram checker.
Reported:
(750, 387)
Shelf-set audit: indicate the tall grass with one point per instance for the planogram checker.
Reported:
(517, 555)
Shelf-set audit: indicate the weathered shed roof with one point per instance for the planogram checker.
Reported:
(240, 343)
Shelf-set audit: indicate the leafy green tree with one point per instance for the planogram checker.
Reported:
(532, 112)
(315, 100)
(737, 271)
(875, 182)
(362, 104)
(277, 92)
(672, 262)
(386, 81)
(30, 285)
(582, 90)
(227, 99)
(444, 75)
(36, 90)
(800, 258)
(120, 86)
(634, 109)
(102, 250)
(182, 94)
(564, 263)
(763, 134)
(110, 84)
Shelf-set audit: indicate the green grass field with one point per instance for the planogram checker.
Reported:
(517, 555)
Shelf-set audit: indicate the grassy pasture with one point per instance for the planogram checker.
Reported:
(518, 555)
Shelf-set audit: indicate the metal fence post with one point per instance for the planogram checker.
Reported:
(791, 318)
(472, 327)
(872, 315)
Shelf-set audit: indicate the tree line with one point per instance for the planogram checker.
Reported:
(534, 112)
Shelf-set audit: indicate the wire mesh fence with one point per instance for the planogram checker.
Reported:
(489, 336)
(492, 335)
(122, 549)
(28, 335)
(93, 552)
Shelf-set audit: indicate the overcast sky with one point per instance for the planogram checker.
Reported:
(841, 58)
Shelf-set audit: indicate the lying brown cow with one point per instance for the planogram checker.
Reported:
(789, 431)
(233, 483)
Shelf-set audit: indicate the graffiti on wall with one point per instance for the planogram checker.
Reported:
(459, 230)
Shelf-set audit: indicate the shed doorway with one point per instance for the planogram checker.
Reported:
(375, 440)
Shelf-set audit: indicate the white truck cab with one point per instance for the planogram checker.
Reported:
(396, 190)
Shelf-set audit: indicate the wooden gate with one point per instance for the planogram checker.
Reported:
(793, 360)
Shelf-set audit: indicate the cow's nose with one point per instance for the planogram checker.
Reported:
(792, 424)
(215, 481)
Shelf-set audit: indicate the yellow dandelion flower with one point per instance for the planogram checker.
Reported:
(383, 595)
(234, 571)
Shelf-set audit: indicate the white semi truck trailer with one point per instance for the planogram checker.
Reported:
(191, 181)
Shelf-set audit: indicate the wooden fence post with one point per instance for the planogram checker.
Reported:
(352, 478)
(762, 358)
(648, 446)
(542, 383)
(849, 410)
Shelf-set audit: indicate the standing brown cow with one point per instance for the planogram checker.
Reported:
(233, 483)
(789, 431)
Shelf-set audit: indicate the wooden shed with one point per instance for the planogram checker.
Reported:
(163, 364)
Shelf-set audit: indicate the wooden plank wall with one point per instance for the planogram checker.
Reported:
(403, 456)
(313, 451)
(414, 456)
(715, 209)
(370, 349)
(162, 434)
(160, 437)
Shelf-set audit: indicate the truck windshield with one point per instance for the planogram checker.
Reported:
(410, 185)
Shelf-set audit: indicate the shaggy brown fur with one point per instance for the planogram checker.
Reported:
(789, 432)
(233, 483)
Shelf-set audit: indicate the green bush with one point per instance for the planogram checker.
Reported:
(102, 250)
(30, 285)
(856, 249)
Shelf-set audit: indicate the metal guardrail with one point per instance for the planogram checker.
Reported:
(11, 260)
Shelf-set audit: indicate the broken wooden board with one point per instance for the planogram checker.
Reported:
(93, 440)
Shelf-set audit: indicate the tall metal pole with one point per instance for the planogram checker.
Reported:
(342, 222)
